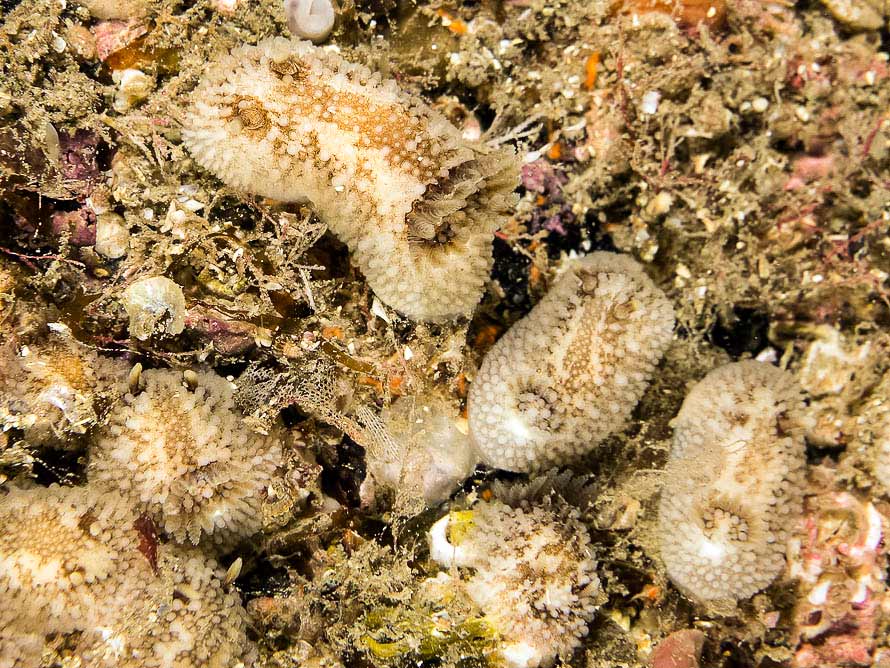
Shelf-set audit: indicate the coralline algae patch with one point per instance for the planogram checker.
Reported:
(734, 482)
(416, 203)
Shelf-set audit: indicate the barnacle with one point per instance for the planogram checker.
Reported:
(416, 203)
(733, 484)
(530, 571)
(187, 458)
(570, 373)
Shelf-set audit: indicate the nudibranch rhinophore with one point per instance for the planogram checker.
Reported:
(415, 202)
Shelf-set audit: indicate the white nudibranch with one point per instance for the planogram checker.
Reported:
(529, 570)
(570, 373)
(74, 560)
(416, 204)
(734, 480)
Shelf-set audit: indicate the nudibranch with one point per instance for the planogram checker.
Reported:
(570, 373)
(415, 202)
(734, 482)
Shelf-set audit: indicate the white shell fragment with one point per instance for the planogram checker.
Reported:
(155, 305)
(112, 236)
(310, 19)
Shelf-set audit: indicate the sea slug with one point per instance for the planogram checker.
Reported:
(185, 456)
(416, 204)
(569, 373)
(532, 574)
(202, 626)
(734, 480)
(60, 551)
(77, 559)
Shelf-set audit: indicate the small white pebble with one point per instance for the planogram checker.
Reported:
(58, 43)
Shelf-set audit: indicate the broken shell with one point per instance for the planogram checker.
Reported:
(133, 87)
(234, 570)
(310, 19)
(155, 305)
(112, 236)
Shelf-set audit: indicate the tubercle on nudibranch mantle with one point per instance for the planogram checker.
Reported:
(416, 203)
